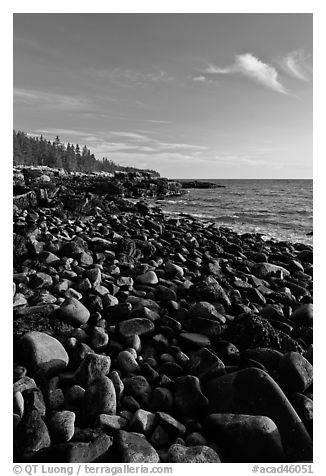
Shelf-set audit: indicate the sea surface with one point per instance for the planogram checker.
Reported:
(279, 209)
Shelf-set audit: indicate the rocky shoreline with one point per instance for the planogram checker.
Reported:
(144, 338)
(200, 184)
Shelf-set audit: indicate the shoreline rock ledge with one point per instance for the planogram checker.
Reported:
(143, 338)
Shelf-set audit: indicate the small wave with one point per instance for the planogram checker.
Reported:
(171, 201)
(226, 217)
(200, 215)
(282, 209)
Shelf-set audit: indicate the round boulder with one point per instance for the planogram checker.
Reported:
(61, 426)
(192, 454)
(303, 315)
(148, 278)
(100, 397)
(246, 438)
(253, 392)
(74, 312)
(137, 326)
(134, 448)
(296, 372)
(43, 354)
(266, 270)
(92, 367)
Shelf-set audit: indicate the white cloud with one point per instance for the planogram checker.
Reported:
(261, 72)
(211, 69)
(201, 79)
(295, 64)
(252, 67)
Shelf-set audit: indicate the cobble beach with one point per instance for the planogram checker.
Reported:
(140, 337)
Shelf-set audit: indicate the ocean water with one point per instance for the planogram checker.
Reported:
(279, 209)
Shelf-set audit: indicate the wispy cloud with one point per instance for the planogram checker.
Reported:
(200, 79)
(238, 160)
(131, 147)
(153, 160)
(178, 146)
(109, 143)
(130, 135)
(66, 132)
(127, 78)
(31, 97)
(42, 49)
(295, 64)
(252, 67)
(28, 43)
(139, 140)
(154, 121)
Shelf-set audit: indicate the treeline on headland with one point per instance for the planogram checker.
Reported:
(28, 150)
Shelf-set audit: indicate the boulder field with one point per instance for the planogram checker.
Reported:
(144, 338)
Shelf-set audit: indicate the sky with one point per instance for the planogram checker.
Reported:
(189, 95)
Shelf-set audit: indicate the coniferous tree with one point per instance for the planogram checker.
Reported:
(29, 150)
(17, 150)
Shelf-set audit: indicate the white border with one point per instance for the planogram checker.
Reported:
(168, 6)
